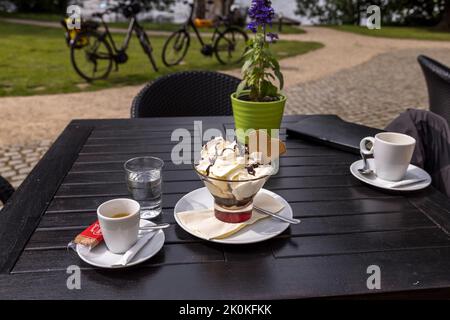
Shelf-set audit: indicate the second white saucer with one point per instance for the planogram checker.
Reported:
(413, 172)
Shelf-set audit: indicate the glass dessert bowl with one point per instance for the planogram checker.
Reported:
(233, 199)
(233, 177)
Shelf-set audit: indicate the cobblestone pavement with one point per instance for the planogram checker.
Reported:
(372, 93)
(16, 162)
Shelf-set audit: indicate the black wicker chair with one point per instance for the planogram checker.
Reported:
(437, 77)
(6, 190)
(192, 93)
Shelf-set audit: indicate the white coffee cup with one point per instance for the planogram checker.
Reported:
(392, 153)
(119, 233)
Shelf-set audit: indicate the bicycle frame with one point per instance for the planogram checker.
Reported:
(190, 23)
(133, 24)
(119, 53)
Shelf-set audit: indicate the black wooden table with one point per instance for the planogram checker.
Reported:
(346, 226)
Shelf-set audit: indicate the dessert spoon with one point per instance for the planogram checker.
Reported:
(365, 170)
(292, 221)
(406, 182)
(156, 227)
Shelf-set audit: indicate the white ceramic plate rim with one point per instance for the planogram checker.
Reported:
(414, 187)
(286, 212)
(133, 262)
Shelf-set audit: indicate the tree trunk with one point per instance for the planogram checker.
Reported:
(200, 10)
(226, 6)
(444, 24)
(358, 12)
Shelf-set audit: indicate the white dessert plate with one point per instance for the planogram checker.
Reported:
(101, 257)
(262, 230)
(413, 172)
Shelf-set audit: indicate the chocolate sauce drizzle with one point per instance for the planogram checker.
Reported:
(207, 170)
(251, 168)
(211, 163)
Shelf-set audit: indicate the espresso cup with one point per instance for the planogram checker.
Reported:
(392, 153)
(122, 232)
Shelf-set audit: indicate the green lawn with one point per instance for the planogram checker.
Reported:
(35, 60)
(398, 32)
(32, 16)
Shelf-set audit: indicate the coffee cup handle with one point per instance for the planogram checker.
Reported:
(363, 145)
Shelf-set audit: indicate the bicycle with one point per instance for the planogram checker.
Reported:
(93, 53)
(228, 46)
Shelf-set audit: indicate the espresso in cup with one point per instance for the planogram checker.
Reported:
(120, 215)
(119, 222)
(392, 153)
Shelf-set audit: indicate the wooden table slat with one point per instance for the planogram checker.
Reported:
(60, 259)
(312, 154)
(434, 205)
(117, 165)
(361, 243)
(190, 175)
(152, 141)
(142, 147)
(120, 189)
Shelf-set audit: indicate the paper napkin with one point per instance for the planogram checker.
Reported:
(204, 224)
(127, 256)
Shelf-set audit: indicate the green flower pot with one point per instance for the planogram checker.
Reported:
(256, 115)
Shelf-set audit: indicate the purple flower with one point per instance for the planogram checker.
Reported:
(272, 37)
(261, 13)
(252, 26)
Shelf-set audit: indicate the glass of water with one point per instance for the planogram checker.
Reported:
(144, 181)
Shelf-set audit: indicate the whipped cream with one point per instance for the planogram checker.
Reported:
(235, 171)
(226, 160)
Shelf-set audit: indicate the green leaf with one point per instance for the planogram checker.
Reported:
(246, 66)
(277, 72)
(264, 88)
(280, 77)
(269, 75)
(272, 90)
(249, 51)
(241, 87)
(274, 62)
(253, 94)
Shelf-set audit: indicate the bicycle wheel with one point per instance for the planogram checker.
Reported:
(230, 46)
(91, 56)
(175, 48)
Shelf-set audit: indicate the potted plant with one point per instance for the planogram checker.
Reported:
(258, 102)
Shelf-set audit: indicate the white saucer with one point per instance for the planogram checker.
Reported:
(412, 173)
(262, 230)
(101, 257)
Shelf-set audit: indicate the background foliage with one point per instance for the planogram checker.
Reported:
(59, 6)
(394, 12)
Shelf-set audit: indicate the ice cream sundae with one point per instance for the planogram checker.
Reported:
(234, 174)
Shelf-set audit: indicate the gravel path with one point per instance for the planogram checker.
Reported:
(362, 79)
